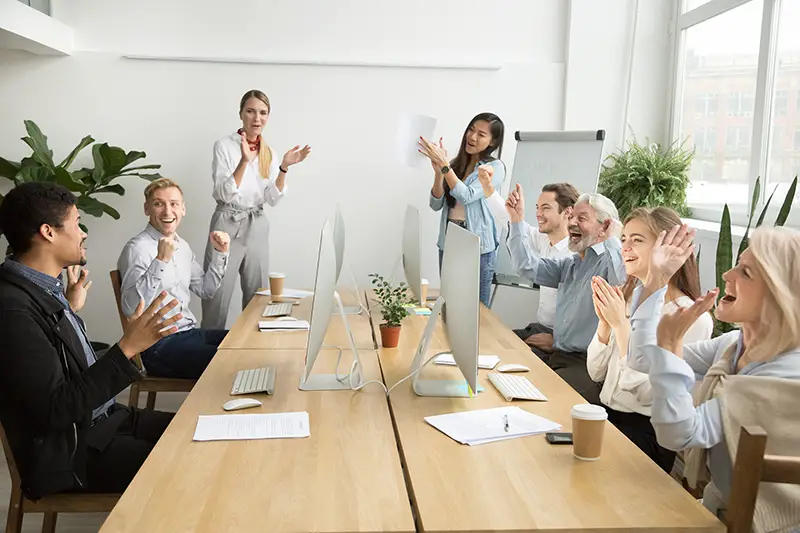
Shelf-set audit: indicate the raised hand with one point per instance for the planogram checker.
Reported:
(77, 287)
(611, 302)
(485, 176)
(515, 205)
(437, 154)
(674, 326)
(166, 247)
(295, 155)
(220, 241)
(148, 326)
(248, 154)
(670, 252)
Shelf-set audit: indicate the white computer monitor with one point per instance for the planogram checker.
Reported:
(324, 299)
(460, 295)
(338, 244)
(412, 252)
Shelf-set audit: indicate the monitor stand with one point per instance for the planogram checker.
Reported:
(442, 388)
(318, 382)
(352, 309)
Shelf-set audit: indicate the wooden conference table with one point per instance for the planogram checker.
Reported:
(347, 476)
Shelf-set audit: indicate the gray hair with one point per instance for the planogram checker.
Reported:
(605, 209)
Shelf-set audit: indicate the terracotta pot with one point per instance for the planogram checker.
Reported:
(390, 336)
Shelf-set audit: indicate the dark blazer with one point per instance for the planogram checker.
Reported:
(48, 391)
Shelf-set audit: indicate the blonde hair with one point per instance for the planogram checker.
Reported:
(161, 183)
(777, 257)
(264, 152)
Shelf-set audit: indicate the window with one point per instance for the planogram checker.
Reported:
(781, 103)
(783, 157)
(740, 105)
(705, 140)
(706, 105)
(737, 138)
(717, 76)
(732, 81)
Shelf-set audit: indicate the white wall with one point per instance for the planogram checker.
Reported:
(175, 110)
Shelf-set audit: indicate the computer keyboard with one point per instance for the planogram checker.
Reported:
(513, 387)
(277, 309)
(254, 380)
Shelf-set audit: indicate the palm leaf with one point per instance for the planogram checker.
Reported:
(753, 202)
(724, 247)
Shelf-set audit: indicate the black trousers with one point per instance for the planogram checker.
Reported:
(119, 445)
(533, 329)
(571, 367)
(639, 430)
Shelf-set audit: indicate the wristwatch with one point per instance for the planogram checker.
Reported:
(445, 169)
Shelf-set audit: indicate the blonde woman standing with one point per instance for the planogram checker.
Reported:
(246, 175)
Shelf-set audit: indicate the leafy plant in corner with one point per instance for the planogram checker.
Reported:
(110, 163)
(392, 300)
(647, 175)
(725, 259)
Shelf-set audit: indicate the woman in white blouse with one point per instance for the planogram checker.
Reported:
(626, 393)
(246, 175)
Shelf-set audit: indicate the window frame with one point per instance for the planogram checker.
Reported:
(761, 134)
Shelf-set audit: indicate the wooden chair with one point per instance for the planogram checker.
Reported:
(150, 384)
(750, 469)
(19, 505)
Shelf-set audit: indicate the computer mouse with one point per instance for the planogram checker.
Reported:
(286, 319)
(240, 403)
(513, 367)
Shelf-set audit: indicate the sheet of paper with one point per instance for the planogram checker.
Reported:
(489, 425)
(409, 129)
(253, 426)
(283, 325)
(486, 362)
(288, 293)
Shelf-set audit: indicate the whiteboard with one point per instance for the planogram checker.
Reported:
(549, 157)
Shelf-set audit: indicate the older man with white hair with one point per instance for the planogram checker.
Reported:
(594, 230)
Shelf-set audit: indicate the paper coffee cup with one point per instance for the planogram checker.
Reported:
(276, 280)
(423, 292)
(588, 425)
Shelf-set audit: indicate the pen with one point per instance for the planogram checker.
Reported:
(505, 422)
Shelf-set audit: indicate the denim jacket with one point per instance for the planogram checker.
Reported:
(470, 193)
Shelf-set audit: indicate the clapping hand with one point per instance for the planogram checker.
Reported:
(609, 303)
(77, 287)
(670, 252)
(436, 153)
(148, 326)
(248, 154)
(295, 155)
(674, 326)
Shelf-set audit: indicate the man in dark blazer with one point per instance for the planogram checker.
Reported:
(56, 396)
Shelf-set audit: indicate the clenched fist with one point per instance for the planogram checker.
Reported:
(166, 247)
(220, 241)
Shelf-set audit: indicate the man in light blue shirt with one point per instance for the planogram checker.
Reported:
(157, 259)
(594, 230)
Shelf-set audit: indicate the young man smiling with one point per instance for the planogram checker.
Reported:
(156, 260)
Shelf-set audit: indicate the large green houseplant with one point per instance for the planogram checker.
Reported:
(393, 300)
(647, 175)
(725, 258)
(110, 163)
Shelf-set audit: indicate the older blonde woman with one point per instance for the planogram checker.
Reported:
(749, 376)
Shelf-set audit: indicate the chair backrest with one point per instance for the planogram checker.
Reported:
(12, 465)
(116, 284)
(751, 468)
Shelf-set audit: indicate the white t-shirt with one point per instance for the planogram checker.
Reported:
(254, 190)
(546, 314)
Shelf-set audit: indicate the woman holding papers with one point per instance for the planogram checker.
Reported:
(246, 175)
(458, 194)
(748, 377)
(627, 393)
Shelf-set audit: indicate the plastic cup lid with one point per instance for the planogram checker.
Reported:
(587, 411)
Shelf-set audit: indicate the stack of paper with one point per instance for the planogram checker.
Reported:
(247, 427)
(288, 293)
(283, 325)
(487, 362)
(491, 425)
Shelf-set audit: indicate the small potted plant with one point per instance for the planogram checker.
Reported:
(393, 301)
